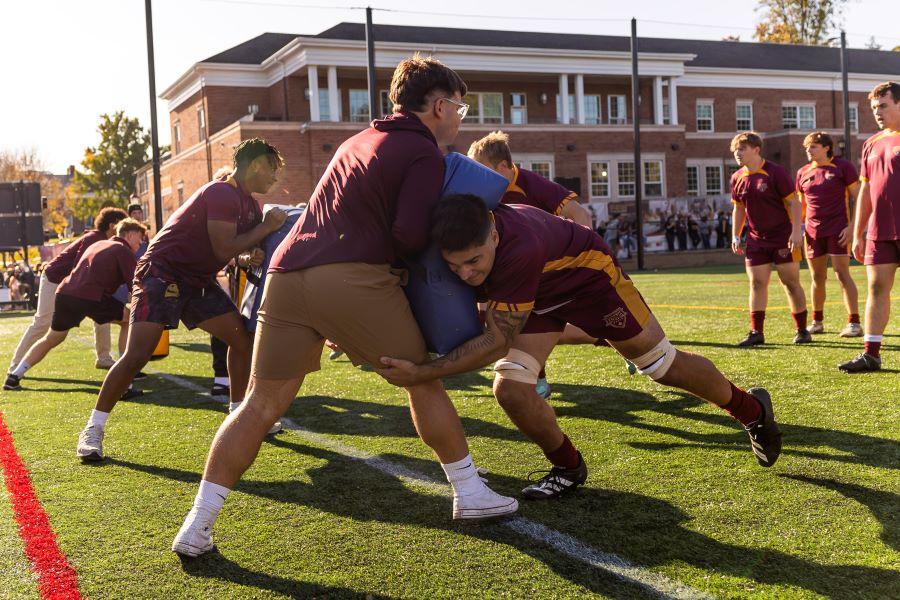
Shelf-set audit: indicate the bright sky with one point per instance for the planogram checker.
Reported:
(65, 62)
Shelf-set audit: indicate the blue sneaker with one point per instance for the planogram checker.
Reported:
(543, 388)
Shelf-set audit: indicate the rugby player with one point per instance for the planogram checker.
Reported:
(331, 278)
(876, 228)
(763, 196)
(825, 187)
(88, 291)
(538, 273)
(57, 270)
(175, 279)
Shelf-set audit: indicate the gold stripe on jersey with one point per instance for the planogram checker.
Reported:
(510, 306)
(566, 200)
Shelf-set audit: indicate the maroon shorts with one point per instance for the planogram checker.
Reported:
(882, 252)
(756, 255)
(825, 245)
(617, 314)
(70, 311)
(157, 299)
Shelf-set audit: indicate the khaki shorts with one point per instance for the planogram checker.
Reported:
(358, 306)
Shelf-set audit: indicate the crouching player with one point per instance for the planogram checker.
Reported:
(539, 273)
(88, 292)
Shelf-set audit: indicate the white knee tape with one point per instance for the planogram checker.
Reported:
(518, 366)
(656, 363)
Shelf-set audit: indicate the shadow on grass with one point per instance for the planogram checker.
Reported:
(644, 530)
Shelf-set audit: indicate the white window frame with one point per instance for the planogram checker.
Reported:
(201, 123)
(325, 105)
(701, 165)
(854, 117)
(737, 104)
(797, 105)
(667, 112)
(527, 159)
(523, 109)
(696, 191)
(385, 104)
(356, 118)
(590, 182)
(712, 115)
(620, 119)
(176, 137)
(599, 98)
(480, 106)
(613, 161)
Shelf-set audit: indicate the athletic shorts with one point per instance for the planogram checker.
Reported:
(882, 252)
(70, 311)
(826, 245)
(156, 299)
(358, 306)
(756, 255)
(618, 313)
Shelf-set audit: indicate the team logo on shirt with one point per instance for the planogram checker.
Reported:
(172, 291)
(762, 186)
(829, 175)
(616, 318)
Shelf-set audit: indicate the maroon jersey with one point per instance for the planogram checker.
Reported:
(182, 249)
(766, 194)
(373, 202)
(826, 194)
(532, 189)
(880, 167)
(543, 262)
(60, 267)
(101, 270)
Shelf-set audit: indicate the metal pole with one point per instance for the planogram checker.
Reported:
(374, 104)
(638, 168)
(154, 135)
(845, 86)
(23, 200)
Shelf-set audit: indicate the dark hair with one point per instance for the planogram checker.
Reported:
(415, 78)
(822, 138)
(891, 87)
(109, 216)
(460, 221)
(134, 207)
(249, 150)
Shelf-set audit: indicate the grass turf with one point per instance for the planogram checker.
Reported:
(673, 487)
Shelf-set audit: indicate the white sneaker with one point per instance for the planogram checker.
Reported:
(90, 443)
(195, 536)
(483, 504)
(104, 363)
(817, 327)
(276, 427)
(852, 330)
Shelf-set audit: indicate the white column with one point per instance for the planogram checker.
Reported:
(334, 99)
(657, 101)
(579, 99)
(564, 98)
(673, 102)
(313, 74)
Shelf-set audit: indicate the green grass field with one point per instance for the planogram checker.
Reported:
(673, 489)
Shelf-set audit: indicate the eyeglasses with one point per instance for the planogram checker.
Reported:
(462, 107)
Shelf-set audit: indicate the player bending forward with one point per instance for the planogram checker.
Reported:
(538, 273)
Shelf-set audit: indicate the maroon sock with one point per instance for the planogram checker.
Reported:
(542, 374)
(743, 407)
(757, 320)
(566, 456)
(800, 319)
(819, 315)
(873, 349)
(854, 318)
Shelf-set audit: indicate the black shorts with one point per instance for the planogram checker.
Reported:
(155, 299)
(69, 311)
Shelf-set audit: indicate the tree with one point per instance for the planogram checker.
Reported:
(872, 44)
(26, 165)
(809, 22)
(108, 176)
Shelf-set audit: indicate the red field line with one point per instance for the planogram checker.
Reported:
(56, 578)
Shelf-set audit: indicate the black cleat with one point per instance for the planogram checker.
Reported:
(754, 338)
(863, 363)
(556, 482)
(131, 393)
(803, 337)
(12, 382)
(765, 436)
(140, 375)
(219, 389)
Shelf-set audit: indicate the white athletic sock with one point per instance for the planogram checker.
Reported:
(211, 496)
(98, 418)
(463, 476)
(233, 406)
(20, 370)
(222, 381)
(872, 337)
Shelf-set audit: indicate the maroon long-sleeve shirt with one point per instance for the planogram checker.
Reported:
(374, 201)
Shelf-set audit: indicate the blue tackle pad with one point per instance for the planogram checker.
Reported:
(443, 305)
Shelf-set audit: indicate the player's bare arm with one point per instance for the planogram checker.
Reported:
(796, 240)
(574, 211)
(861, 220)
(226, 244)
(492, 345)
(738, 214)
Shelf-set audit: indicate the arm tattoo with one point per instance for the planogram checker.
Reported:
(506, 325)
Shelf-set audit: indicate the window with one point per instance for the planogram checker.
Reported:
(180, 193)
(854, 118)
(625, 174)
(359, 106)
(485, 107)
(798, 116)
(713, 179)
(667, 113)
(705, 116)
(652, 178)
(176, 135)
(730, 169)
(324, 106)
(571, 109)
(142, 186)
(542, 164)
(518, 112)
(201, 124)
(744, 113)
(615, 110)
(387, 107)
(592, 110)
(693, 180)
(599, 179)
(542, 168)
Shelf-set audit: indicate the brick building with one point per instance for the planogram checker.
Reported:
(565, 100)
